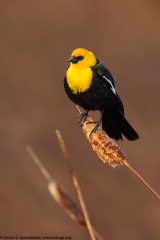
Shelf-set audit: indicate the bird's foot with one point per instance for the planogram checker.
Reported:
(98, 123)
(82, 117)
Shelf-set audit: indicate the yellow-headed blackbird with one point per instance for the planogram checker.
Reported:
(89, 84)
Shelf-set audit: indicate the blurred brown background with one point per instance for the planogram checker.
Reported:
(36, 40)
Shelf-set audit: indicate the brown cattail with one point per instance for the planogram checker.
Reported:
(106, 149)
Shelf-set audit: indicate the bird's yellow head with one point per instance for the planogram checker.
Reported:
(82, 58)
(79, 74)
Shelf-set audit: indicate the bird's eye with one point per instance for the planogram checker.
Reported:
(80, 58)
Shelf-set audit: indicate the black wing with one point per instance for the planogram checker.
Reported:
(107, 77)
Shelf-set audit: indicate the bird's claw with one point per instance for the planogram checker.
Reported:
(82, 117)
(98, 123)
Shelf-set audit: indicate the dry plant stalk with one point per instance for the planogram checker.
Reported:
(108, 151)
(76, 184)
(61, 196)
(58, 192)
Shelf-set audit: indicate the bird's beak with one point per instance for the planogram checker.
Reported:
(73, 59)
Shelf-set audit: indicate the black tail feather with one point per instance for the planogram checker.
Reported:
(115, 124)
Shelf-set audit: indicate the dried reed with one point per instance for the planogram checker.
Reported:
(62, 197)
(108, 151)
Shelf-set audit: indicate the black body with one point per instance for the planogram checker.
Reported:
(100, 97)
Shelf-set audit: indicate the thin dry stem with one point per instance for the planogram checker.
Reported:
(141, 179)
(61, 196)
(108, 151)
(76, 185)
(58, 192)
(39, 163)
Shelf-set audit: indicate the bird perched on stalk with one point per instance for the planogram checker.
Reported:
(89, 84)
